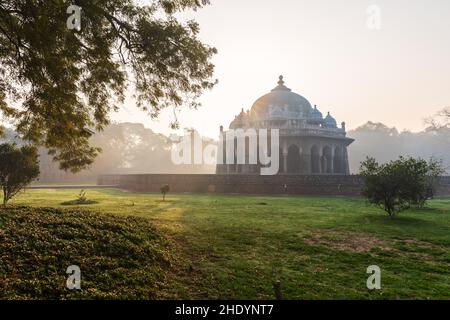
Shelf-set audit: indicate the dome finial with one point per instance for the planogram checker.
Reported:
(281, 82)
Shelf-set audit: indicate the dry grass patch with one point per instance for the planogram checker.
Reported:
(346, 241)
(364, 243)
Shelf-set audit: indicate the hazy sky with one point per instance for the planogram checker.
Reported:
(397, 75)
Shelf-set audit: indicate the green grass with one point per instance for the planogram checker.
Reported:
(318, 247)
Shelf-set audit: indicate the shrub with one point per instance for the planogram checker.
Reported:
(119, 257)
(399, 184)
(18, 167)
(165, 189)
(82, 199)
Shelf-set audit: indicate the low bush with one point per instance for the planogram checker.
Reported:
(119, 257)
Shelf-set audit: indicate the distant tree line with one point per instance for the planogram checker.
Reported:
(385, 144)
(132, 148)
(125, 148)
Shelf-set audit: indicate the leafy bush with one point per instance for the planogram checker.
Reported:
(119, 257)
(18, 167)
(397, 185)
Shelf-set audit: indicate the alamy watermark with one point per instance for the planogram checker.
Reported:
(373, 21)
(235, 147)
(74, 20)
(374, 280)
(74, 280)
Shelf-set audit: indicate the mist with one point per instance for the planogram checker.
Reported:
(385, 144)
(129, 148)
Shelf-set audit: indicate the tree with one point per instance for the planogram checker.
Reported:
(165, 189)
(397, 185)
(440, 120)
(18, 167)
(61, 84)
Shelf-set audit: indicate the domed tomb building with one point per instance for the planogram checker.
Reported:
(309, 143)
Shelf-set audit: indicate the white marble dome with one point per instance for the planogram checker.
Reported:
(281, 103)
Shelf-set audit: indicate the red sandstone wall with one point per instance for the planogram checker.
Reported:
(348, 185)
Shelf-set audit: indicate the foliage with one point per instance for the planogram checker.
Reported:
(440, 120)
(59, 85)
(400, 184)
(165, 189)
(317, 247)
(18, 167)
(119, 257)
(82, 199)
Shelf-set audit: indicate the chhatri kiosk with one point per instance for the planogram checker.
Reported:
(309, 143)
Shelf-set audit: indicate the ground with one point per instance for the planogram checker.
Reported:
(226, 246)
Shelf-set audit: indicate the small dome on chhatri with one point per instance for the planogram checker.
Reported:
(239, 121)
(330, 121)
(315, 117)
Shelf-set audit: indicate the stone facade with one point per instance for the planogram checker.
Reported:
(309, 143)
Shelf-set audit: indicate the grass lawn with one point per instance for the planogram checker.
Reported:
(221, 246)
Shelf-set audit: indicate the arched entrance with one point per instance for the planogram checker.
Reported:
(281, 169)
(315, 159)
(338, 160)
(327, 160)
(293, 159)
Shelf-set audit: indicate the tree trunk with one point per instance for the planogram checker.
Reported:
(5, 198)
